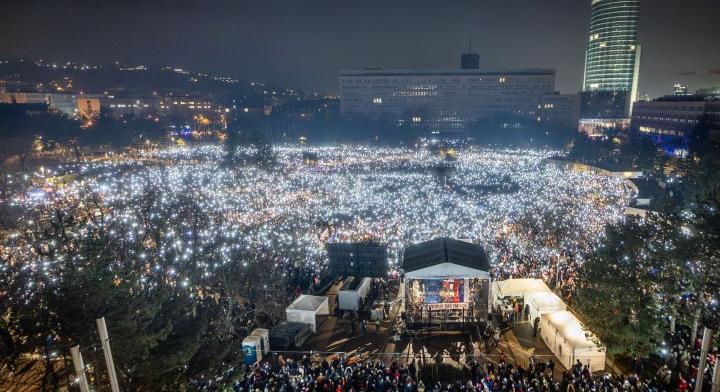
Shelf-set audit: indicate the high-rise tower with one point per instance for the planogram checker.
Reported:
(470, 60)
(612, 59)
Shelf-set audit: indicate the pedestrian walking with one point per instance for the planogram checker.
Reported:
(527, 312)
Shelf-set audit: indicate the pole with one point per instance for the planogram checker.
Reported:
(105, 339)
(672, 324)
(693, 332)
(706, 342)
(79, 368)
(557, 272)
(716, 378)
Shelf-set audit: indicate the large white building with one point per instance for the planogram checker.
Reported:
(442, 98)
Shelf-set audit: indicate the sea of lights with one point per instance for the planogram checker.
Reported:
(527, 212)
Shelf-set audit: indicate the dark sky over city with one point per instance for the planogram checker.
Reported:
(303, 43)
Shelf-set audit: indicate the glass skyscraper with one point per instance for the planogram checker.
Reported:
(612, 59)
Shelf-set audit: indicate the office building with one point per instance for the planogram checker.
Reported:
(185, 104)
(680, 89)
(612, 62)
(672, 120)
(88, 107)
(562, 110)
(470, 60)
(24, 98)
(67, 104)
(123, 106)
(442, 98)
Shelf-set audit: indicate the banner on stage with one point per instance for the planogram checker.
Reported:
(447, 306)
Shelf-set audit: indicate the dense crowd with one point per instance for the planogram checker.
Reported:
(185, 215)
(535, 219)
(339, 374)
(682, 362)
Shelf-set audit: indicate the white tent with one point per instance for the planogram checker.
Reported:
(570, 341)
(543, 302)
(305, 309)
(517, 288)
(352, 292)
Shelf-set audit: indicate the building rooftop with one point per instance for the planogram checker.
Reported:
(444, 72)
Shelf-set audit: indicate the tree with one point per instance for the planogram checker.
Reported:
(617, 293)
(647, 270)
(641, 152)
(69, 267)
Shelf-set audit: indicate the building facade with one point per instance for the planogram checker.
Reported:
(442, 98)
(67, 104)
(123, 106)
(672, 120)
(612, 60)
(559, 109)
(680, 89)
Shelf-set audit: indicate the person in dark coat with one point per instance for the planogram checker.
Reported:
(527, 311)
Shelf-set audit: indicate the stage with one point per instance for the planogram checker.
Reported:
(445, 282)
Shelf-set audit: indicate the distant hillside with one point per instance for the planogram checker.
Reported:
(118, 79)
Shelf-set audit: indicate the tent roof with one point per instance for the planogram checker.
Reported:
(516, 287)
(572, 330)
(445, 250)
(307, 302)
(545, 300)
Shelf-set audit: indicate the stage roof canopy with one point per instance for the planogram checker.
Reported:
(445, 258)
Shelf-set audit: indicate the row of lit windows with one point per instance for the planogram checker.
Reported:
(660, 131)
(400, 80)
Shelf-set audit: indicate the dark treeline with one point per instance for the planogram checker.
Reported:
(502, 131)
(22, 124)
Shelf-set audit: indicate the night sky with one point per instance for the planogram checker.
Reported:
(302, 43)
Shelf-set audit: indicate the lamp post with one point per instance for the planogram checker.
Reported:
(79, 368)
(716, 378)
(105, 339)
(706, 342)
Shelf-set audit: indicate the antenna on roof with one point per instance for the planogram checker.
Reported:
(470, 45)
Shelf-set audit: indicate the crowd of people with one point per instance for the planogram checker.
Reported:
(340, 374)
(184, 208)
(682, 362)
(534, 219)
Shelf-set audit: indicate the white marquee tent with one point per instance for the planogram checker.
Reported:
(352, 292)
(517, 288)
(306, 308)
(543, 302)
(570, 341)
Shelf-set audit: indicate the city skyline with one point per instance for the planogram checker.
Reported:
(304, 46)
